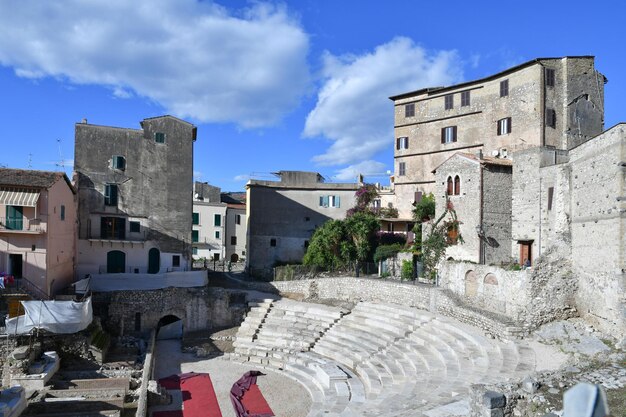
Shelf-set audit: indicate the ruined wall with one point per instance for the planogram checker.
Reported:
(496, 213)
(137, 312)
(598, 228)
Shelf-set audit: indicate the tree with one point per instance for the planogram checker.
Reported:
(362, 227)
(330, 247)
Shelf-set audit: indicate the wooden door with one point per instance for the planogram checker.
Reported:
(525, 252)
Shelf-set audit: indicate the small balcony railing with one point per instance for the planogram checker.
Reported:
(22, 225)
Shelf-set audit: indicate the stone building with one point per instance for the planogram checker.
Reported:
(134, 199)
(282, 216)
(38, 229)
(219, 225)
(555, 102)
(479, 190)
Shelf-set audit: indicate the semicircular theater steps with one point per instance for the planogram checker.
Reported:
(379, 359)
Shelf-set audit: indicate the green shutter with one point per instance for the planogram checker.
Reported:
(194, 236)
(15, 218)
(337, 201)
(195, 217)
(218, 220)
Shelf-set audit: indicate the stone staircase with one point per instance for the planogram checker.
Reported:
(378, 359)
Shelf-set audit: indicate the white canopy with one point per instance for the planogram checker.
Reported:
(63, 317)
(121, 282)
(19, 197)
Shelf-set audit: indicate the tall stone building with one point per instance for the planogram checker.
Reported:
(134, 196)
(556, 102)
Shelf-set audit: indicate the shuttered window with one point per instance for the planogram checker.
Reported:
(551, 118)
(195, 235)
(402, 143)
(465, 98)
(448, 134)
(118, 162)
(409, 110)
(110, 194)
(504, 88)
(449, 101)
(505, 126)
(195, 218)
(401, 169)
(550, 77)
(550, 195)
(159, 137)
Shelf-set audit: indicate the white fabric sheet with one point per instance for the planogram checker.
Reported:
(62, 317)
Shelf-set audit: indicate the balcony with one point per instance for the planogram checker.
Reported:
(23, 225)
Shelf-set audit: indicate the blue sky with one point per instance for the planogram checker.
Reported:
(296, 85)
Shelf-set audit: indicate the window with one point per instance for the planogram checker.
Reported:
(233, 240)
(450, 189)
(137, 322)
(551, 118)
(112, 228)
(159, 137)
(402, 143)
(216, 256)
(217, 234)
(449, 101)
(457, 185)
(110, 194)
(195, 236)
(330, 201)
(409, 110)
(62, 212)
(504, 88)
(448, 134)
(376, 203)
(504, 126)
(237, 218)
(550, 77)
(550, 196)
(194, 251)
(134, 227)
(118, 162)
(217, 220)
(465, 98)
(272, 242)
(15, 219)
(307, 219)
(195, 218)
(402, 169)
(175, 260)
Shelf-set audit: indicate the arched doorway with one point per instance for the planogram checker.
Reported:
(154, 261)
(169, 327)
(116, 262)
(471, 284)
(234, 257)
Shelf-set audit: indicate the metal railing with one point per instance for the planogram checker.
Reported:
(31, 288)
(22, 225)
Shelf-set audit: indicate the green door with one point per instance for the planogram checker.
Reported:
(14, 217)
(154, 261)
(116, 262)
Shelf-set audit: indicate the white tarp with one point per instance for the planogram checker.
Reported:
(63, 317)
(120, 282)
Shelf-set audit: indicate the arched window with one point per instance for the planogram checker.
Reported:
(457, 185)
(450, 189)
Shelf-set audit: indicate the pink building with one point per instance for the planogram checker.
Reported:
(38, 229)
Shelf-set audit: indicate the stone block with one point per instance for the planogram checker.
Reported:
(493, 399)
(530, 385)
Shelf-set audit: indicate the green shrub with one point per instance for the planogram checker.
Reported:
(407, 270)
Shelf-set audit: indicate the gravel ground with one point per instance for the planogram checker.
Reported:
(286, 397)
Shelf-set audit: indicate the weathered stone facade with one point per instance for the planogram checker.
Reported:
(138, 312)
(134, 190)
(560, 114)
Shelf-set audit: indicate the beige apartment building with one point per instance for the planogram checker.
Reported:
(554, 102)
(38, 229)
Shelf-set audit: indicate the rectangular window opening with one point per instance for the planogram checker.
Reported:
(110, 194)
(233, 240)
(175, 260)
(550, 77)
(504, 88)
(134, 227)
(551, 118)
(449, 101)
(409, 110)
(195, 236)
(465, 98)
(505, 126)
(62, 212)
(118, 162)
(159, 137)
(448, 134)
(550, 196)
(402, 169)
(272, 242)
(195, 218)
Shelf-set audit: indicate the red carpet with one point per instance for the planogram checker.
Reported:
(199, 398)
(255, 404)
(173, 413)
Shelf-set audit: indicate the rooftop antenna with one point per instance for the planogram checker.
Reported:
(61, 162)
(30, 161)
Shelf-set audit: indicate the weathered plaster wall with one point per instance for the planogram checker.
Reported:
(496, 214)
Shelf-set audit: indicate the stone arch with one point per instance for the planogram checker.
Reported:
(234, 257)
(116, 262)
(457, 185)
(471, 283)
(449, 186)
(170, 326)
(490, 279)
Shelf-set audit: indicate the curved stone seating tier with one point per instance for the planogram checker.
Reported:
(379, 359)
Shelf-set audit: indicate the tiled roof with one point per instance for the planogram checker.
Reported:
(29, 178)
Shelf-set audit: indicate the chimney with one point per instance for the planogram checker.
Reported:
(84, 121)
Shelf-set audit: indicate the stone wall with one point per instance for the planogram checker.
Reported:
(138, 312)
(496, 214)
(425, 297)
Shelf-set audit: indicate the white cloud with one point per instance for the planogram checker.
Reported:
(197, 59)
(353, 109)
(242, 177)
(366, 168)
